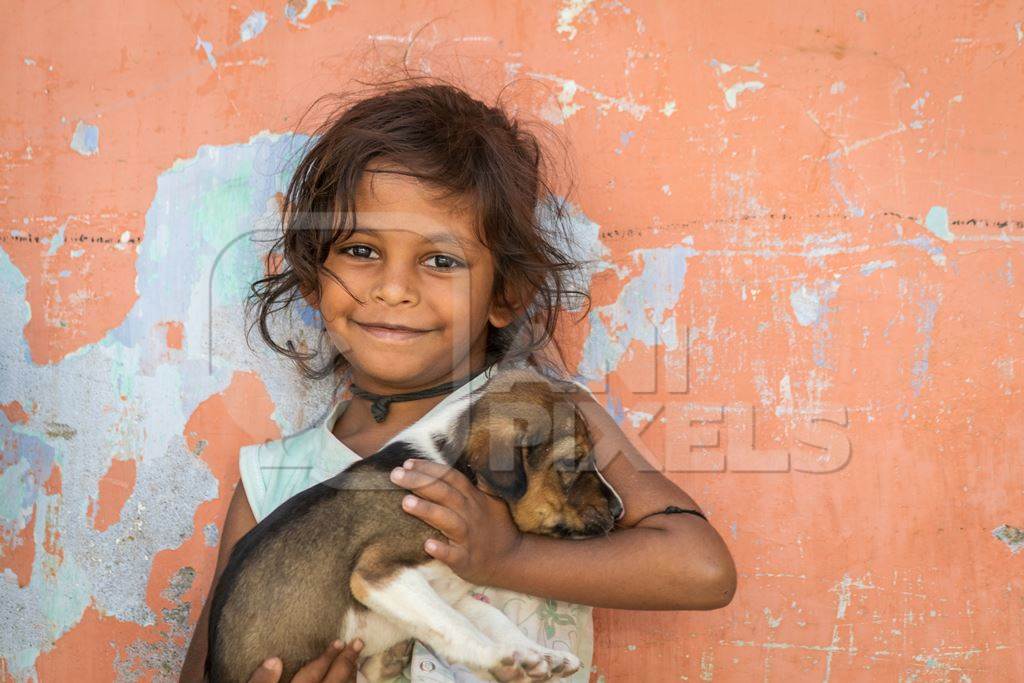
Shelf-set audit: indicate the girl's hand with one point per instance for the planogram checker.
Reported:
(336, 665)
(479, 527)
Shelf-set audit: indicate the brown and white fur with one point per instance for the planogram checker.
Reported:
(343, 560)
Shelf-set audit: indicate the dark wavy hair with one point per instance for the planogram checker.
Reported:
(454, 143)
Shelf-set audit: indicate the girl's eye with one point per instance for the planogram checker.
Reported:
(358, 250)
(444, 262)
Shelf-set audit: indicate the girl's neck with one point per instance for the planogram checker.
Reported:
(357, 429)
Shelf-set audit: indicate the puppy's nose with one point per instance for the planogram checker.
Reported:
(614, 506)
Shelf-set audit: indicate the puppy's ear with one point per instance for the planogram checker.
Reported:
(452, 451)
(505, 472)
(584, 444)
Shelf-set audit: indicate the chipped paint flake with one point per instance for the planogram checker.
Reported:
(733, 91)
(937, 222)
(1012, 536)
(567, 15)
(253, 26)
(207, 47)
(296, 16)
(872, 266)
(806, 305)
(773, 622)
(86, 139)
(570, 88)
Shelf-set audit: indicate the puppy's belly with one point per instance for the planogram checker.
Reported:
(378, 633)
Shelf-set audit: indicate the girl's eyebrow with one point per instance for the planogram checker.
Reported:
(433, 238)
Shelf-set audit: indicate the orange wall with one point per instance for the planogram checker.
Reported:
(817, 206)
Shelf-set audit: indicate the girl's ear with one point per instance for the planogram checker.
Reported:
(503, 310)
(310, 298)
(500, 316)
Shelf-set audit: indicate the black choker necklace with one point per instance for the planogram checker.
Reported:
(381, 403)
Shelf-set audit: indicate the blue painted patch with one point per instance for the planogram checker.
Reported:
(937, 222)
(253, 25)
(869, 268)
(86, 140)
(643, 311)
(208, 49)
(295, 16)
(806, 305)
(27, 462)
(57, 241)
(925, 327)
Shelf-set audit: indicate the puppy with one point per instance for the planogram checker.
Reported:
(343, 560)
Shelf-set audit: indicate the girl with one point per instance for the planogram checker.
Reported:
(413, 226)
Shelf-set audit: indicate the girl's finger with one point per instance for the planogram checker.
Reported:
(313, 671)
(429, 487)
(452, 555)
(445, 520)
(269, 672)
(344, 667)
(457, 480)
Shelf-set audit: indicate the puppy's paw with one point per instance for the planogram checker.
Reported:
(561, 663)
(506, 667)
(532, 662)
(519, 664)
(372, 667)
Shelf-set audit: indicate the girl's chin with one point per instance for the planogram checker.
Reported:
(398, 370)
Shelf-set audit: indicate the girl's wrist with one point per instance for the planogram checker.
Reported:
(508, 559)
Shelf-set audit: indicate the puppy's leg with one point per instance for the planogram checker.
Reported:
(538, 661)
(405, 596)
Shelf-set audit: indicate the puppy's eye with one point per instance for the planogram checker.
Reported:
(565, 465)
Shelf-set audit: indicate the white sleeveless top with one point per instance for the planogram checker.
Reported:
(274, 471)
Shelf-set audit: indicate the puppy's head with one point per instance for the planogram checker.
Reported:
(525, 441)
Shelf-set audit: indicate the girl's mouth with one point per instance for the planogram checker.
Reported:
(390, 333)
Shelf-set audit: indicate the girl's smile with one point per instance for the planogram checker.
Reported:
(391, 333)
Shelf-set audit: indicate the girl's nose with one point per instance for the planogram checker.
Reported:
(396, 287)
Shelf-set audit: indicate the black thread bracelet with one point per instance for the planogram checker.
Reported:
(673, 510)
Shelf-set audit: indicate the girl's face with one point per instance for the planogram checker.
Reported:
(423, 281)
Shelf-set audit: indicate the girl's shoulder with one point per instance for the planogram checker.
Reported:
(277, 469)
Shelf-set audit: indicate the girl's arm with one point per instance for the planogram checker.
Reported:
(668, 562)
(660, 562)
(237, 523)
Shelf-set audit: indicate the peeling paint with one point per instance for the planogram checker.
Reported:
(568, 13)
(937, 222)
(253, 26)
(207, 48)
(734, 90)
(86, 140)
(1013, 537)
